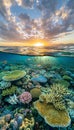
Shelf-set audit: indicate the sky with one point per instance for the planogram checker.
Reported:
(25, 22)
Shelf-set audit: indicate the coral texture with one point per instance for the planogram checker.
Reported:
(53, 117)
(25, 97)
(14, 75)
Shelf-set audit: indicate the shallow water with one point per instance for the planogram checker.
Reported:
(34, 66)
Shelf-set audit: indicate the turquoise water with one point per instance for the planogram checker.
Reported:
(60, 61)
(40, 72)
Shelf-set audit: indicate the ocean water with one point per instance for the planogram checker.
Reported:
(37, 65)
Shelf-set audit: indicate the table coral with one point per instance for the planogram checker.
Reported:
(14, 75)
(52, 116)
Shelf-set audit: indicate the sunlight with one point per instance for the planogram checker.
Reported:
(39, 44)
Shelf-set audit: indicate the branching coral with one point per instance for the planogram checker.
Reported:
(9, 91)
(57, 95)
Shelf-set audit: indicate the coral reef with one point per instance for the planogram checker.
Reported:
(57, 96)
(12, 99)
(25, 97)
(66, 77)
(52, 106)
(14, 75)
(63, 83)
(53, 117)
(49, 88)
(27, 124)
(40, 79)
(4, 84)
(9, 91)
(35, 92)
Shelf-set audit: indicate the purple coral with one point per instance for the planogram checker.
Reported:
(25, 97)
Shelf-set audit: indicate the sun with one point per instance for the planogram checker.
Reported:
(39, 44)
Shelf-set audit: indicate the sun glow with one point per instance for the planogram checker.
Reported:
(39, 44)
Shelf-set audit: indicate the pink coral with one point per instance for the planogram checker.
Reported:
(25, 97)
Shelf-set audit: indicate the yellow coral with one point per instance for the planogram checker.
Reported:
(53, 117)
(27, 124)
(9, 91)
(35, 92)
(56, 96)
(14, 75)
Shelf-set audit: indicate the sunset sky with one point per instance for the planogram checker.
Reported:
(27, 22)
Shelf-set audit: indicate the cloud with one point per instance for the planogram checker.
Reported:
(24, 17)
(25, 3)
(54, 21)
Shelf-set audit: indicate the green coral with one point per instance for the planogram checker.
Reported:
(56, 96)
(2, 74)
(66, 77)
(63, 83)
(14, 75)
(9, 91)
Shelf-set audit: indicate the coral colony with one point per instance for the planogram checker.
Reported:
(36, 98)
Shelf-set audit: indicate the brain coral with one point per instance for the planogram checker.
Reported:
(14, 75)
(52, 116)
(35, 92)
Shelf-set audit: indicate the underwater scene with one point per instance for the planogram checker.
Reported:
(36, 92)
